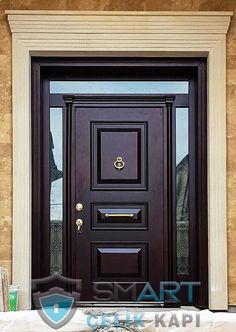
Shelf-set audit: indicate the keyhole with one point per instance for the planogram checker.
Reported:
(56, 309)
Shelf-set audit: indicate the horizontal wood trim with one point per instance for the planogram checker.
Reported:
(123, 13)
(57, 100)
(119, 22)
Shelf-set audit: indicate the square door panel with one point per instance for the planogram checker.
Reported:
(119, 155)
(121, 261)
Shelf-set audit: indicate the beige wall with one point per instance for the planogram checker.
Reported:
(5, 105)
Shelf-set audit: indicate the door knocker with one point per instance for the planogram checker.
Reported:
(119, 163)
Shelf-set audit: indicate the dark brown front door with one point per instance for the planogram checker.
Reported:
(118, 162)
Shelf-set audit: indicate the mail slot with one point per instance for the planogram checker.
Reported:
(119, 216)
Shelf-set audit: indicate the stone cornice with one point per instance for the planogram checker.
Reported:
(22, 21)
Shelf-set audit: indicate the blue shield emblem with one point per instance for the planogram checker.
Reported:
(55, 307)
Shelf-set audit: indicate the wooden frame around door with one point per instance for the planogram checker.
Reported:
(43, 67)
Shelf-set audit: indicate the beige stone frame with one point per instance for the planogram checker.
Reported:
(67, 33)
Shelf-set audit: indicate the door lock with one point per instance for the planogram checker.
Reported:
(79, 206)
(79, 224)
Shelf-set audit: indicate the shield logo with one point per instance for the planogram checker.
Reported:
(56, 307)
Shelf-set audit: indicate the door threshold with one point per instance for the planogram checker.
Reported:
(128, 304)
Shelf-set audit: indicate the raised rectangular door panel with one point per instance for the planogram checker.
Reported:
(121, 261)
(119, 216)
(115, 143)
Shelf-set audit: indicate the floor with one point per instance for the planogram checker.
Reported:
(169, 320)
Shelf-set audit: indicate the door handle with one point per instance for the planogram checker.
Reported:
(79, 224)
(112, 215)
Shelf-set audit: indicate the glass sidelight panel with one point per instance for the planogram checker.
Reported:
(119, 87)
(182, 190)
(56, 190)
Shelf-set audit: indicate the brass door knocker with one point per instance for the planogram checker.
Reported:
(119, 163)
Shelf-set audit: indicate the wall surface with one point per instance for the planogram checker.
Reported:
(6, 116)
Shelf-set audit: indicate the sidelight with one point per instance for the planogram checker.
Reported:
(56, 188)
(182, 190)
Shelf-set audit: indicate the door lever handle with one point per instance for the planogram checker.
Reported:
(79, 224)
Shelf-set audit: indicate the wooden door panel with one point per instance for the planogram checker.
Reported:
(123, 261)
(122, 237)
(125, 140)
(119, 216)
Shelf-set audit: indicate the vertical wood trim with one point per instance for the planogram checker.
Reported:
(217, 227)
(21, 269)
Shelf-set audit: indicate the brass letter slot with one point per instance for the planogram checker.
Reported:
(121, 215)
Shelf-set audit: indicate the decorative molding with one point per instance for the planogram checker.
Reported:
(119, 22)
(65, 33)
